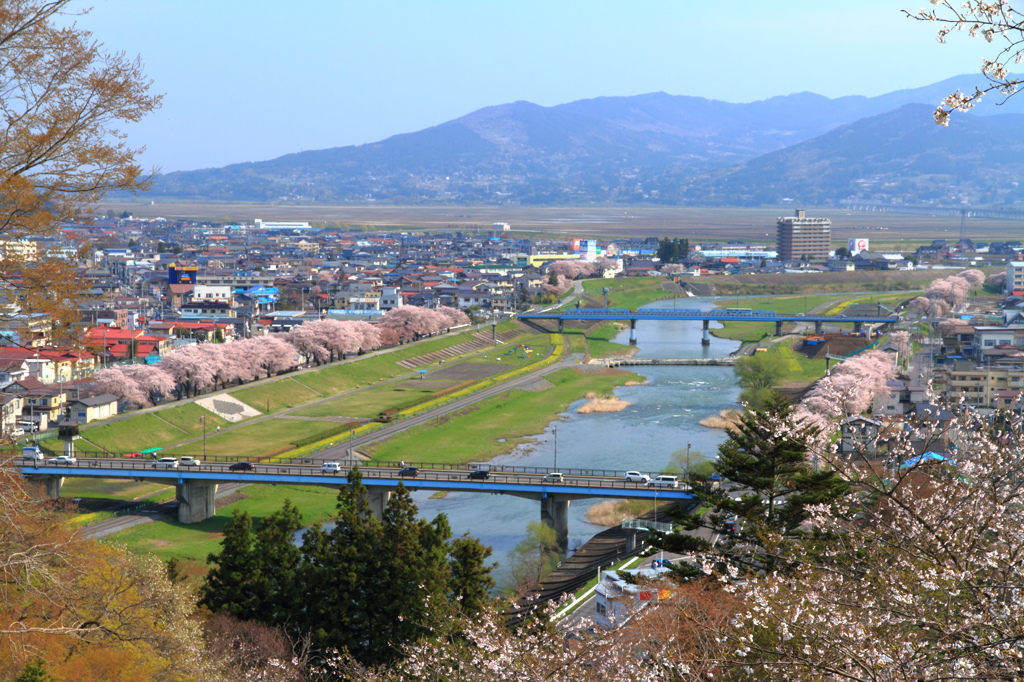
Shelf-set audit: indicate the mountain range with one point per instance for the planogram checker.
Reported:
(659, 148)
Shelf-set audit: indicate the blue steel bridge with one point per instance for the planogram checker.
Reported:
(196, 487)
(705, 316)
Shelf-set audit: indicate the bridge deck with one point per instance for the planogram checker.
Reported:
(576, 485)
(719, 315)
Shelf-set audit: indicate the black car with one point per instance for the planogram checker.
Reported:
(409, 471)
(242, 466)
(479, 475)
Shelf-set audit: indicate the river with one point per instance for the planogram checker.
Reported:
(663, 416)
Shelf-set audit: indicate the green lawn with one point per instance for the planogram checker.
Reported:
(577, 340)
(114, 489)
(139, 432)
(798, 366)
(347, 376)
(600, 344)
(170, 539)
(187, 418)
(277, 395)
(369, 403)
(512, 416)
(628, 292)
(259, 439)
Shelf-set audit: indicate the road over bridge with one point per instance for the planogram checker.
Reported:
(197, 486)
(706, 316)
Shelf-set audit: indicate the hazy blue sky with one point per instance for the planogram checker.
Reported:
(252, 80)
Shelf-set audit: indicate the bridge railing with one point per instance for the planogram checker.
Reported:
(579, 478)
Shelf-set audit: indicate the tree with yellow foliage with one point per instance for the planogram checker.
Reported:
(62, 100)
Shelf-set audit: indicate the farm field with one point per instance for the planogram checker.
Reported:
(886, 231)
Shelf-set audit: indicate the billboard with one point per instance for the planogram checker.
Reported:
(857, 245)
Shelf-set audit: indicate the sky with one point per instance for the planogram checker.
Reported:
(253, 80)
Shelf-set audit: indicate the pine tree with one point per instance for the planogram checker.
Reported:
(336, 567)
(277, 558)
(229, 584)
(471, 580)
(768, 453)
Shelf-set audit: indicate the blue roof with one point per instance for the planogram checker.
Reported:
(928, 456)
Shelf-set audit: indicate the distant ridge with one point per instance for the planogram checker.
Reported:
(655, 148)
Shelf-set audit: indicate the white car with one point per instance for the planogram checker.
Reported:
(166, 463)
(62, 459)
(187, 461)
(16, 432)
(664, 481)
(636, 477)
(330, 468)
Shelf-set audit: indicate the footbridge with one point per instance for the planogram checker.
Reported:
(705, 316)
(196, 487)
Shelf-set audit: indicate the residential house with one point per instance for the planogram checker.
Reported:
(85, 410)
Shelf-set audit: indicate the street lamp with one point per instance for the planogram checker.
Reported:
(202, 418)
(555, 429)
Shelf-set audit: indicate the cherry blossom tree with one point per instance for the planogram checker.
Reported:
(453, 316)
(151, 380)
(851, 388)
(999, 24)
(900, 340)
(918, 575)
(975, 277)
(115, 381)
(412, 322)
(309, 340)
(368, 335)
(190, 369)
(561, 285)
(270, 354)
(920, 304)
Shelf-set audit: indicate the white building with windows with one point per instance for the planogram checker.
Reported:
(1014, 285)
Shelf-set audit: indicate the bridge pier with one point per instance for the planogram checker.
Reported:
(857, 326)
(560, 325)
(817, 326)
(631, 538)
(632, 331)
(554, 512)
(51, 484)
(705, 340)
(196, 500)
(379, 497)
(778, 327)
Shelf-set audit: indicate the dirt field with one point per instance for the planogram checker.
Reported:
(720, 224)
(467, 371)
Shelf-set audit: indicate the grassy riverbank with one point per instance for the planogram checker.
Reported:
(193, 542)
(629, 292)
(495, 426)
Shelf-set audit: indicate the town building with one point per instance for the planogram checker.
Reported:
(803, 237)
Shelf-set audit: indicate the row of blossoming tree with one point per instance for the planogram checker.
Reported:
(199, 368)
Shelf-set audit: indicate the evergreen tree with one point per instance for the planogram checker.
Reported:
(275, 586)
(411, 579)
(471, 580)
(768, 453)
(336, 568)
(229, 584)
(34, 672)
